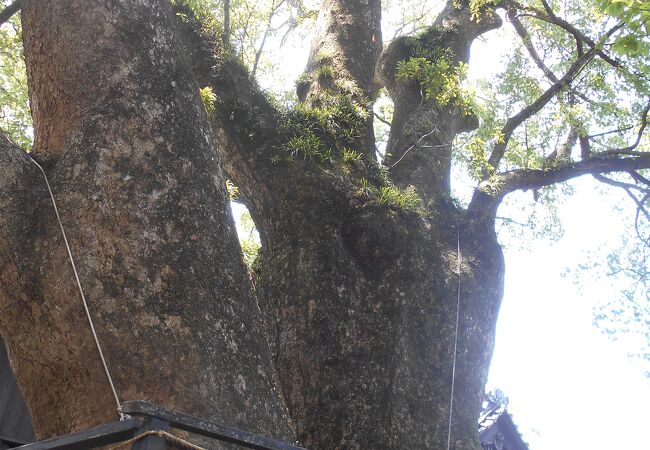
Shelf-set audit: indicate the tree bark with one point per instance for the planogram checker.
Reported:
(124, 139)
(344, 52)
(359, 297)
(368, 304)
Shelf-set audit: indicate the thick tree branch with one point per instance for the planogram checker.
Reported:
(524, 179)
(244, 121)
(10, 10)
(419, 144)
(344, 53)
(492, 190)
(626, 159)
(348, 39)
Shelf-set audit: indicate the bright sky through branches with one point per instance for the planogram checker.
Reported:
(569, 386)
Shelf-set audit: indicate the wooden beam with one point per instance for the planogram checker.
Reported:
(203, 427)
(110, 433)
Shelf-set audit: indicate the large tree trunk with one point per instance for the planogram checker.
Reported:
(359, 295)
(123, 136)
(363, 330)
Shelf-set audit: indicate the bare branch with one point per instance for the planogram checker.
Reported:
(226, 23)
(10, 10)
(640, 203)
(579, 36)
(629, 150)
(513, 122)
(400, 30)
(605, 133)
(527, 41)
(381, 119)
(258, 53)
(539, 61)
(639, 178)
(548, 8)
(524, 179)
(640, 209)
(617, 183)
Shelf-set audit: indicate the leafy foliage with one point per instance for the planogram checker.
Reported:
(405, 199)
(232, 190)
(635, 14)
(478, 7)
(208, 98)
(323, 132)
(15, 119)
(440, 80)
(249, 239)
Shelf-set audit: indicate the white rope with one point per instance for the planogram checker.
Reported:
(83, 297)
(453, 368)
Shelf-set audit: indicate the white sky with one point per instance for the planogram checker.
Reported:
(569, 386)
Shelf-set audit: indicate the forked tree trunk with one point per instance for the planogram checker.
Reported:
(359, 296)
(123, 137)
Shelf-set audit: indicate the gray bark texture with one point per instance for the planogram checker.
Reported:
(347, 341)
(124, 139)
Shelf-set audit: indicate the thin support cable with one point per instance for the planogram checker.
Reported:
(453, 367)
(81, 292)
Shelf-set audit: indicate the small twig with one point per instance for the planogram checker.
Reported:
(618, 184)
(605, 133)
(424, 136)
(629, 150)
(381, 119)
